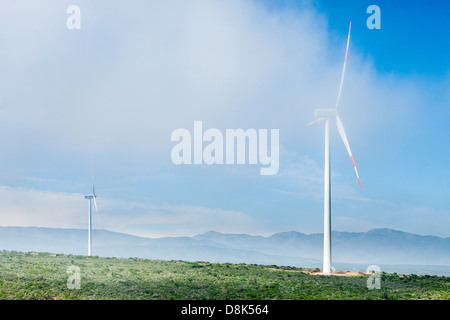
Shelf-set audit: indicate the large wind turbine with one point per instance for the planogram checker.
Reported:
(327, 115)
(91, 199)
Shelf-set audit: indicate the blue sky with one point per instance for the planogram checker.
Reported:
(109, 95)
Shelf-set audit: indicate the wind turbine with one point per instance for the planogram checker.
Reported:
(327, 115)
(91, 199)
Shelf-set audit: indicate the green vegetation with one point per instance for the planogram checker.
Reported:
(44, 276)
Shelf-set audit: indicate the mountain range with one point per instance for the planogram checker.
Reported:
(377, 246)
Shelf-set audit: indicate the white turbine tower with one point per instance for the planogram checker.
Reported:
(327, 115)
(91, 199)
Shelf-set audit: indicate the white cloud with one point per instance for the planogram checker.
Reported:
(30, 207)
(168, 219)
(135, 72)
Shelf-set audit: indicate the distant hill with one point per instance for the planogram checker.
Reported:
(377, 246)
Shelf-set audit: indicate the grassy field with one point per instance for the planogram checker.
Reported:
(44, 276)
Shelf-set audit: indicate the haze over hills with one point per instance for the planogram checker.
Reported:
(377, 246)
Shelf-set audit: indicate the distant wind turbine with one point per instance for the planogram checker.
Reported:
(327, 114)
(91, 200)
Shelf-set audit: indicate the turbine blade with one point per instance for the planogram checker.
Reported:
(315, 121)
(341, 130)
(343, 69)
(96, 208)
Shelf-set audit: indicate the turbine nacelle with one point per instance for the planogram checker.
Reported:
(325, 113)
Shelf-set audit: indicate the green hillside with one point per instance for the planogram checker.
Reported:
(45, 276)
